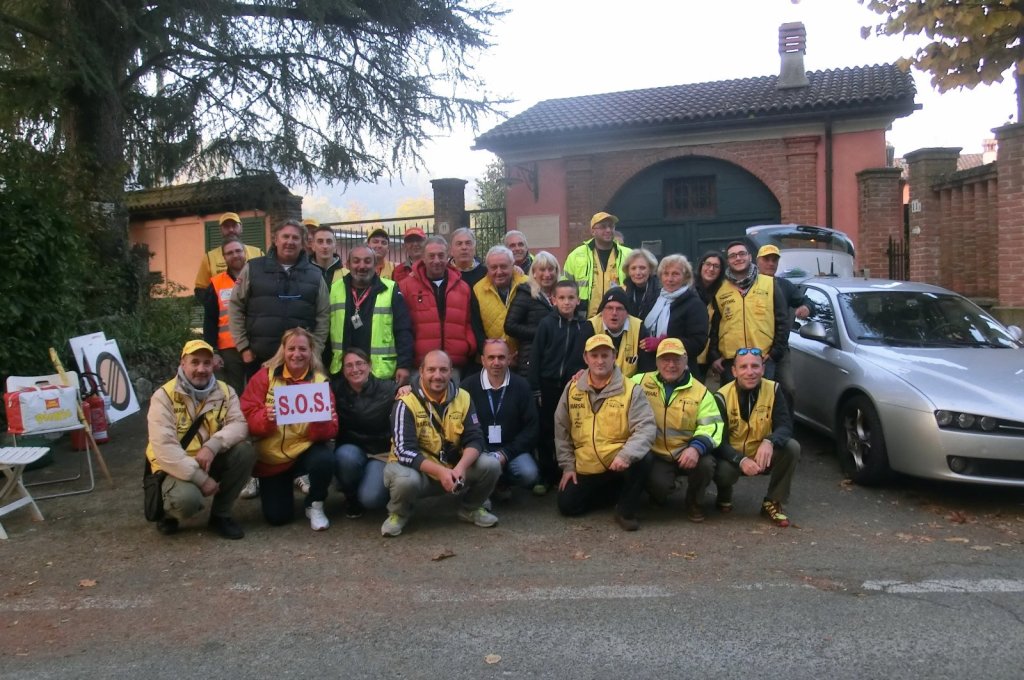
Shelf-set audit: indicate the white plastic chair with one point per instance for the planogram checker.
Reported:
(16, 382)
(13, 494)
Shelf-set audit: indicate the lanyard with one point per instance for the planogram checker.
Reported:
(357, 301)
(501, 400)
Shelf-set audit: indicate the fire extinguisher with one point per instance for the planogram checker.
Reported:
(97, 412)
(78, 442)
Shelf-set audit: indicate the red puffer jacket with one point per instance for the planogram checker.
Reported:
(453, 333)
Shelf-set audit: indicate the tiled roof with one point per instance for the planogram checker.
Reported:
(251, 191)
(859, 89)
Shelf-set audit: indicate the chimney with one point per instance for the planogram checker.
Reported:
(989, 150)
(792, 47)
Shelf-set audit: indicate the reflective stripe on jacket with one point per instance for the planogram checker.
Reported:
(580, 267)
(383, 352)
(691, 412)
(223, 285)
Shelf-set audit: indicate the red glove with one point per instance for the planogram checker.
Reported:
(651, 344)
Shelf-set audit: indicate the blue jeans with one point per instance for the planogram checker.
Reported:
(521, 471)
(360, 476)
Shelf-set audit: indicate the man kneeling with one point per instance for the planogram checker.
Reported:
(604, 428)
(437, 445)
(197, 440)
(760, 436)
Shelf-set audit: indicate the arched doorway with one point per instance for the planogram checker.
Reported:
(691, 205)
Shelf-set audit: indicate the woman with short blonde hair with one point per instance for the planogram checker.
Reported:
(678, 311)
(641, 285)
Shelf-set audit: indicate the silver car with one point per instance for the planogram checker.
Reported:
(910, 378)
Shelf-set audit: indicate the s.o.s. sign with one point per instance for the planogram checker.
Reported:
(307, 403)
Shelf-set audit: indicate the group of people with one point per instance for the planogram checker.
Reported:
(447, 374)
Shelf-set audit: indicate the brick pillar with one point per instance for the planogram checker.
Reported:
(579, 190)
(879, 216)
(927, 167)
(802, 173)
(449, 205)
(1010, 217)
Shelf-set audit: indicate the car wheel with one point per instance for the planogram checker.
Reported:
(861, 443)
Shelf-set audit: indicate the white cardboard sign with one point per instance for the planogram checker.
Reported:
(308, 403)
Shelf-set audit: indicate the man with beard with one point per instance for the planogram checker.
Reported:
(437, 446)
(227, 362)
(749, 310)
(369, 313)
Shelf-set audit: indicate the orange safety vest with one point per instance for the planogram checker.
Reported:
(223, 285)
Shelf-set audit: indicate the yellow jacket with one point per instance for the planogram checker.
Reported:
(746, 320)
(746, 435)
(690, 418)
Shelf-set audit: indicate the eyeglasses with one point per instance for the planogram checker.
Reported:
(738, 255)
(748, 350)
(711, 265)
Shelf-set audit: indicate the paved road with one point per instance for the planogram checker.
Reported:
(916, 580)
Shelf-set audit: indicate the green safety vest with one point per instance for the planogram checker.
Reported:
(383, 354)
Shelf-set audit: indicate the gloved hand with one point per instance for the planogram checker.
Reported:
(651, 344)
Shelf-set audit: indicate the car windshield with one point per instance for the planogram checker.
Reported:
(920, 319)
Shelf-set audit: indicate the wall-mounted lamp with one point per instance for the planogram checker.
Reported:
(523, 174)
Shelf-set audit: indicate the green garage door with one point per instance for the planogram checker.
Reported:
(691, 205)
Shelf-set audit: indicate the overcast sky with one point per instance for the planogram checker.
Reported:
(545, 49)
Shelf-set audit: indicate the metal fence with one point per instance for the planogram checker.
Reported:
(487, 225)
(899, 259)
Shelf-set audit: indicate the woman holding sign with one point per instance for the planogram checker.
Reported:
(291, 415)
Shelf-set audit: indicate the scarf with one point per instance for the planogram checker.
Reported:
(197, 394)
(657, 319)
(747, 281)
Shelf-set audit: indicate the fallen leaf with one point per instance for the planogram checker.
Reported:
(492, 658)
(690, 555)
(957, 539)
(981, 547)
(957, 517)
(443, 555)
(580, 555)
(87, 583)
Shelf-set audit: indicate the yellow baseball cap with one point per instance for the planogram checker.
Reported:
(671, 346)
(310, 222)
(230, 216)
(193, 346)
(599, 340)
(601, 217)
(769, 250)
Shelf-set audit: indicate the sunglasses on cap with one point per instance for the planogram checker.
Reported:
(748, 350)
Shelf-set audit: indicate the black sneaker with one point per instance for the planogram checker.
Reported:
(226, 527)
(353, 509)
(167, 526)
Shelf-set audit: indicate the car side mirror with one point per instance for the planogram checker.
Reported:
(814, 330)
(1015, 332)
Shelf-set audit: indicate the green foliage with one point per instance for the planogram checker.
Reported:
(318, 89)
(152, 336)
(972, 41)
(43, 270)
(490, 189)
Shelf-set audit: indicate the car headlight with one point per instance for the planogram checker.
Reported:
(965, 421)
(975, 422)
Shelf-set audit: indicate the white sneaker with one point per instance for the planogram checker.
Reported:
(251, 489)
(393, 525)
(317, 519)
(302, 484)
(479, 517)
